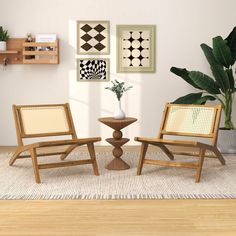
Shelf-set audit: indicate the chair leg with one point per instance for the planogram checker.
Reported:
(14, 157)
(143, 151)
(35, 165)
(68, 151)
(219, 155)
(200, 163)
(93, 157)
(167, 152)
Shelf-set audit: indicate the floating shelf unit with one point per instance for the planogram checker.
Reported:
(21, 52)
(13, 52)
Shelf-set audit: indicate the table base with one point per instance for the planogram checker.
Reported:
(117, 164)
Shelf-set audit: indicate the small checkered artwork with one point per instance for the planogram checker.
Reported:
(93, 37)
(93, 69)
(136, 48)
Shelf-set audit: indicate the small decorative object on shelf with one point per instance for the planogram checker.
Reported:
(118, 88)
(29, 38)
(3, 39)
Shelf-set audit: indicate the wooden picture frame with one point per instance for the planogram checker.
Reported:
(93, 37)
(100, 67)
(136, 48)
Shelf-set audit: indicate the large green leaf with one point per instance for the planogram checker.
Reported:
(222, 51)
(194, 98)
(230, 77)
(221, 77)
(184, 74)
(204, 82)
(188, 99)
(204, 99)
(231, 42)
(217, 69)
(208, 51)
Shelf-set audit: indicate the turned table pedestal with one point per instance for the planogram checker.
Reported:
(117, 141)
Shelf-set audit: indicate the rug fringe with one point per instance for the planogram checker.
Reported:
(117, 197)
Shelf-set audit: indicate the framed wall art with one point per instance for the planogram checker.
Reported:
(93, 69)
(136, 48)
(93, 37)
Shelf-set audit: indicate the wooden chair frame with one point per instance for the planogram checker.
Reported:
(73, 142)
(202, 147)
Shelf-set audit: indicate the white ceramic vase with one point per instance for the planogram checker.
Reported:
(119, 113)
(3, 46)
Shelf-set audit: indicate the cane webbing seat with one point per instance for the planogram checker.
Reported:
(183, 121)
(43, 121)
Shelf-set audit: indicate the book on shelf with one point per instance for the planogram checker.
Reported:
(45, 38)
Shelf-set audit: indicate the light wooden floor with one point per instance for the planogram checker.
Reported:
(117, 218)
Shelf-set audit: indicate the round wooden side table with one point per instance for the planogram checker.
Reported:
(117, 141)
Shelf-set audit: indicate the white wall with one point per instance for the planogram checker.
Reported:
(182, 25)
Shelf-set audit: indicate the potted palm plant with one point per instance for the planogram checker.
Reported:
(221, 57)
(3, 39)
(118, 88)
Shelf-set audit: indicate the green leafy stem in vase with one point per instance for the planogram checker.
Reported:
(118, 88)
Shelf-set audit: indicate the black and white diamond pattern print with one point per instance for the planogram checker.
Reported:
(135, 48)
(93, 38)
(93, 69)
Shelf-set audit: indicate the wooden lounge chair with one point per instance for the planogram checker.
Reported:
(40, 121)
(189, 121)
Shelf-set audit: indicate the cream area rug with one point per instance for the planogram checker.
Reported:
(78, 182)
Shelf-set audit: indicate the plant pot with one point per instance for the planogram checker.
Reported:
(119, 113)
(227, 141)
(3, 46)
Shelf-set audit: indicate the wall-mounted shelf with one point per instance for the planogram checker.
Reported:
(21, 52)
(13, 52)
